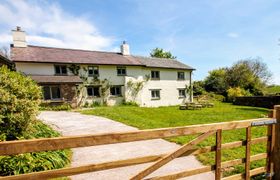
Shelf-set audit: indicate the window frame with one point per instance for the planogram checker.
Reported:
(60, 70)
(93, 70)
(155, 90)
(178, 77)
(92, 90)
(155, 78)
(116, 95)
(185, 94)
(51, 92)
(121, 68)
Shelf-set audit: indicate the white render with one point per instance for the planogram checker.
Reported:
(168, 84)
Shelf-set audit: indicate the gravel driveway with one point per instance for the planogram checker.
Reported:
(72, 123)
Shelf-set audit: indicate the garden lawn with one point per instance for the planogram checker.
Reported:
(149, 118)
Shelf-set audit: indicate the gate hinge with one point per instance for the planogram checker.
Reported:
(265, 122)
(269, 174)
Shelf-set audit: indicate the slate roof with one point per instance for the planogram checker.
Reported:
(44, 79)
(5, 60)
(73, 56)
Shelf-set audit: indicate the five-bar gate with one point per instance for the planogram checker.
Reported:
(272, 168)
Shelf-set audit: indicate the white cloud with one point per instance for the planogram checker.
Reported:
(48, 25)
(233, 35)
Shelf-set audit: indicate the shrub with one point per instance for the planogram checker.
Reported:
(95, 104)
(232, 93)
(19, 103)
(62, 107)
(129, 103)
(32, 162)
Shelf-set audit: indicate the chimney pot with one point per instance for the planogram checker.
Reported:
(125, 49)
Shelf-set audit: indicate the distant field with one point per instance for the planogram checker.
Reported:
(273, 89)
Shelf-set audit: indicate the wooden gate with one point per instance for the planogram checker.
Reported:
(272, 168)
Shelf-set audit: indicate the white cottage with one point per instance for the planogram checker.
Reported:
(79, 76)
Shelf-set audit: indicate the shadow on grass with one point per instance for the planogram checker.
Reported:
(258, 109)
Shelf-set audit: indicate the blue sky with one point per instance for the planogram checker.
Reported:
(203, 34)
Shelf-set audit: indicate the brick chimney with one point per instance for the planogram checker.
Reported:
(19, 38)
(125, 49)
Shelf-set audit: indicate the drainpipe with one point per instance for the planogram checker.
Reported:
(191, 87)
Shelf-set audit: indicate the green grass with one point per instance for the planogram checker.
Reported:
(149, 118)
(272, 89)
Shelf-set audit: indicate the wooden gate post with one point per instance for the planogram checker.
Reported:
(276, 151)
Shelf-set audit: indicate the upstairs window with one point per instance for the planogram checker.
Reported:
(155, 75)
(155, 94)
(93, 71)
(93, 91)
(182, 93)
(60, 69)
(115, 91)
(181, 76)
(51, 92)
(121, 71)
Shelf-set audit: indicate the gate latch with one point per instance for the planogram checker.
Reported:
(263, 123)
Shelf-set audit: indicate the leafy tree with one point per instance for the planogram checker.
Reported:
(258, 68)
(198, 88)
(5, 51)
(19, 103)
(160, 53)
(215, 81)
(250, 74)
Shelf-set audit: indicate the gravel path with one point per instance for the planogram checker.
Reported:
(72, 123)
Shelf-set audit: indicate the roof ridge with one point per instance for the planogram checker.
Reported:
(157, 58)
(72, 49)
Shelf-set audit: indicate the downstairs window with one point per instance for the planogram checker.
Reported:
(51, 92)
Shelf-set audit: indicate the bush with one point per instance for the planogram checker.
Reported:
(39, 161)
(129, 103)
(232, 93)
(19, 103)
(62, 107)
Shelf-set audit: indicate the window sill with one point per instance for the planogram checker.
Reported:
(61, 74)
(155, 79)
(181, 79)
(121, 74)
(182, 97)
(155, 99)
(115, 96)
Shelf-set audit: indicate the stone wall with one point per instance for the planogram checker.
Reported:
(68, 93)
(258, 101)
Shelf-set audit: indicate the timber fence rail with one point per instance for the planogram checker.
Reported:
(272, 156)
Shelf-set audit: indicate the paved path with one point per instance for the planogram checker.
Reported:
(72, 123)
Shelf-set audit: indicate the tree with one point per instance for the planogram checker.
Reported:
(251, 75)
(5, 52)
(215, 81)
(160, 53)
(198, 88)
(258, 68)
